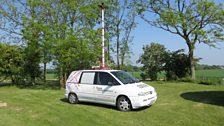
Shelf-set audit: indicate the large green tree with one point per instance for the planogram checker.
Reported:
(23, 21)
(32, 31)
(120, 22)
(153, 59)
(156, 59)
(196, 21)
(65, 32)
(76, 42)
(11, 62)
(62, 31)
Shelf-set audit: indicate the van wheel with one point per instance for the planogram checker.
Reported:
(73, 99)
(123, 104)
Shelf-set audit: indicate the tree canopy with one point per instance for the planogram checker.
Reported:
(64, 33)
(153, 58)
(11, 63)
(196, 21)
(157, 59)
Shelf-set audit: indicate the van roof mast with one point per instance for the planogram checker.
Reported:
(102, 66)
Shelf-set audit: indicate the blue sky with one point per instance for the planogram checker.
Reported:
(144, 34)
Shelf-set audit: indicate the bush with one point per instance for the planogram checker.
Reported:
(153, 59)
(210, 80)
(176, 65)
(143, 76)
(186, 79)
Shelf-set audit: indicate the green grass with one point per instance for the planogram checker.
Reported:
(210, 73)
(178, 104)
(213, 76)
(51, 76)
(136, 74)
(210, 77)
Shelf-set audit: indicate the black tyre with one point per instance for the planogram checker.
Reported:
(73, 99)
(124, 104)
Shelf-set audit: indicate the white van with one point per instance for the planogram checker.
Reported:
(111, 87)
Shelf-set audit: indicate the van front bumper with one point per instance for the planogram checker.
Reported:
(141, 101)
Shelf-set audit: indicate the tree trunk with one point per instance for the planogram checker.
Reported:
(12, 79)
(65, 78)
(191, 60)
(45, 66)
(122, 59)
(108, 51)
(118, 51)
(62, 78)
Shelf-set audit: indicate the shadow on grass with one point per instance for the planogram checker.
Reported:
(48, 85)
(207, 97)
(90, 104)
(3, 84)
(103, 105)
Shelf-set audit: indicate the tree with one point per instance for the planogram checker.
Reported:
(153, 59)
(32, 34)
(176, 65)
(11, 62)
(76, 44)
(157, 59)
(27, 22)
(50, 29)
(196, 21)
(120, 22)
(11, 17)
(128, 25)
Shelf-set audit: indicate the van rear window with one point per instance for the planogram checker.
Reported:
(87, 78)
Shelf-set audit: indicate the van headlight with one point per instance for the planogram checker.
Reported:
(145, 93)
(141, 94)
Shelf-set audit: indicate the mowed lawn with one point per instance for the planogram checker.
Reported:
(178, 104)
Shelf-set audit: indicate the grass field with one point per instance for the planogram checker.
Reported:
(178, 104)
(209, 77)
(210, 73)
(51, 76)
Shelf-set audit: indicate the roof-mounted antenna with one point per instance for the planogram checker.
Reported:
(103, 7)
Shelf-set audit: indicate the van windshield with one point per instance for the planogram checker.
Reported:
(125, 77)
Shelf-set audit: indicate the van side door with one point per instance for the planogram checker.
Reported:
(106, 86)
(85, 88)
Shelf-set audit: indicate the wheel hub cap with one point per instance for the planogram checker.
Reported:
(72, 99)
(124, 105)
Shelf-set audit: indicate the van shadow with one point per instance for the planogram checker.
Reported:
(90, 104)
(103, 105)
(207, 97)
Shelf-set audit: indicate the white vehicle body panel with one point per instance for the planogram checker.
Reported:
(140, 94)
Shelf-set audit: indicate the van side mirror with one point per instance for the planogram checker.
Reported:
(110, 84)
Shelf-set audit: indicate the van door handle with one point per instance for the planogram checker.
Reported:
(99, 89)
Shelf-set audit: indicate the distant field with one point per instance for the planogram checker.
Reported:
(210, 73)
(213, 73)
(51, 76)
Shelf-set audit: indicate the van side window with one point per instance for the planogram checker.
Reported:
(87, 78)
(103, 78)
